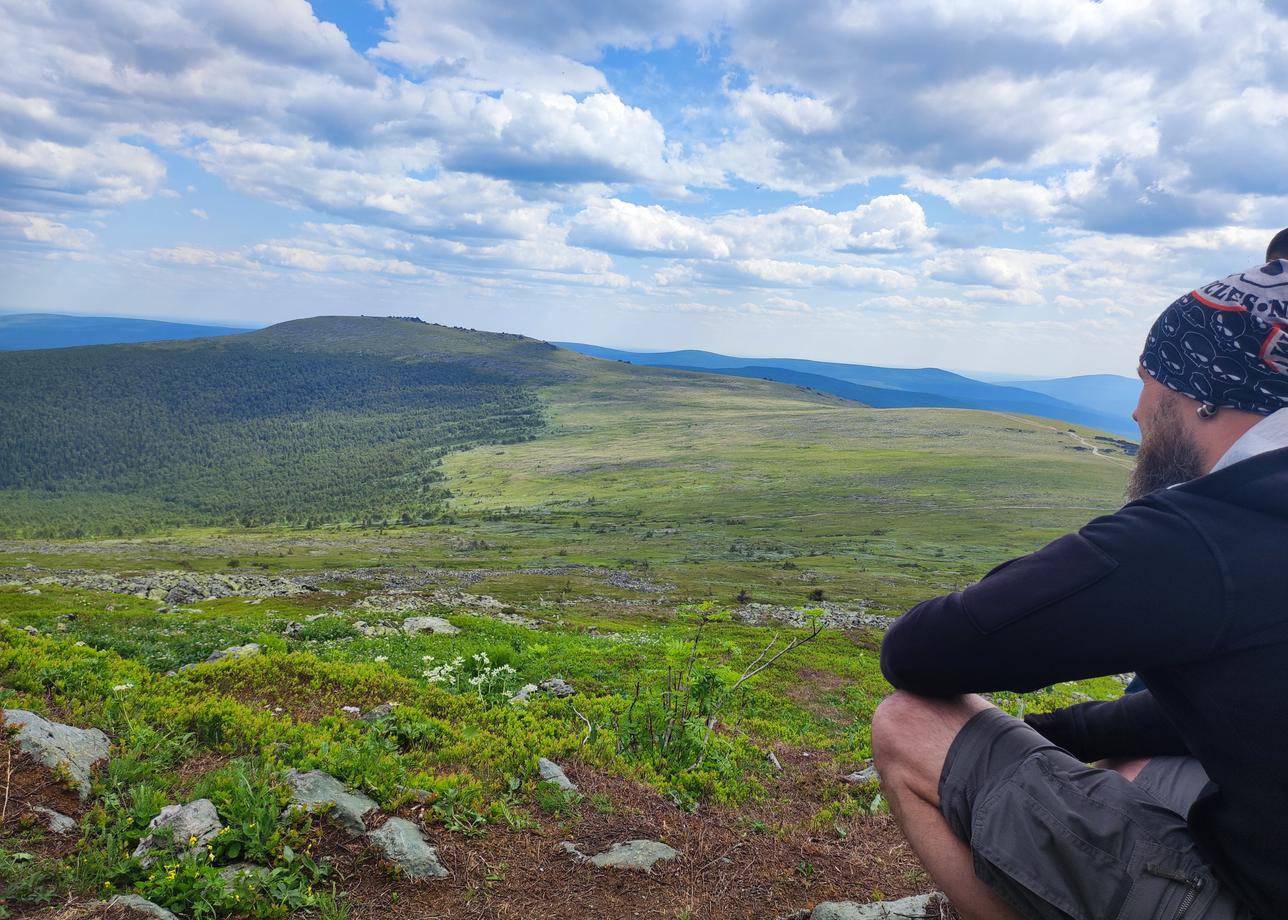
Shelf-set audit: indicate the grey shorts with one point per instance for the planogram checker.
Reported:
(1057, 839)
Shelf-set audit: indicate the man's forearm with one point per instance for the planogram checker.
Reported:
(1133, 726)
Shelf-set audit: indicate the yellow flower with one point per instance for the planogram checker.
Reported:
(107, 884)
(192, 841)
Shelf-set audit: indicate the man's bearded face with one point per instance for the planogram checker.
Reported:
(1168, 453)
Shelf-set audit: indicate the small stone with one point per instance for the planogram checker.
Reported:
(34, 592)
(314, 617)
(57, 822)
(74, 749)
(402, 844)
(31, 630)
(293, 630)
(314, 788)
(773, 761)
(141, 905)
(866, 775)
(555, 686)
(551, 772)
(350, 710)
(377, 713)
(192, 826)
(918, 907)
(521, 695)
(437, 625)
(639, 855)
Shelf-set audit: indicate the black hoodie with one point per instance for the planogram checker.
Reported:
(1187, 586)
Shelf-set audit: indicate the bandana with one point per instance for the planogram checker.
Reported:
(1227, 342)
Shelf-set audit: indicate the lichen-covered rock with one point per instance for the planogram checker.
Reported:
(57, 822)
(637, 855)
(191, 827)
(313, 788)
(236, 651)
(551, 772)
(75, 750)
(402, 844)
(231, 873)
(375, 714)
(142, 905)
(437, 625)
(866, 775)
(918, 907)
(556, 686)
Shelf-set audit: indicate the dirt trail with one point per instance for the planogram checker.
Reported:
(1117, 461)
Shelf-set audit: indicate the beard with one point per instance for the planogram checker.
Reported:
(1167, 455)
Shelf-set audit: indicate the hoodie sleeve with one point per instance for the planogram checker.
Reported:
(1131, 726)
(1131, 591)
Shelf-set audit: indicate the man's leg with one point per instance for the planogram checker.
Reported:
(911, 736)
(910, 740)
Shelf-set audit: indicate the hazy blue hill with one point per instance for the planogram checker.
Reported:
(876, 397)
(1108, 393)
(926, 386)
(56, 330)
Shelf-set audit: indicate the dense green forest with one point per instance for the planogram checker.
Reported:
(309, 422)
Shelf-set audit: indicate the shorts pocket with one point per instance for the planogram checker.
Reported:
(1048, 855)
(1166, 885)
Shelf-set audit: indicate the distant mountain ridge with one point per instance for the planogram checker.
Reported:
(23, 331)
(892, 387)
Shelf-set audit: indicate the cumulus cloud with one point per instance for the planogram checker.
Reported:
(631, 229)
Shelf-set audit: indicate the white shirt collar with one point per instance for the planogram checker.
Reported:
(1270, 433)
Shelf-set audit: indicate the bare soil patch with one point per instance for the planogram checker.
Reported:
(26, 784)
(757, 861)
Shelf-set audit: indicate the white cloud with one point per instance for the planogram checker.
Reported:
(631, 229)
(42, 233)
(199, 212)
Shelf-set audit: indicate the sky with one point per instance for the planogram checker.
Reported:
(998, 185)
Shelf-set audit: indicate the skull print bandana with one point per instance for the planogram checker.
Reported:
(1226, 343)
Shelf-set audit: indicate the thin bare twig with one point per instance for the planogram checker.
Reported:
(589, 729)
(8, 774)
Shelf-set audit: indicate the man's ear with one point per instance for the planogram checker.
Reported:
(1278, 248)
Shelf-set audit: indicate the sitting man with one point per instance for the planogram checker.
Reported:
(1187, 585)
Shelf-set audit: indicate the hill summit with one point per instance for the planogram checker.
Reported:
(310, 420)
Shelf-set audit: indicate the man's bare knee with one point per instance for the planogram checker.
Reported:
(915, 730)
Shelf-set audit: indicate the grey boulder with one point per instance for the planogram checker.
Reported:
(437, 625)
(57, 822)
(551, 772)
(636, 855)
(314, 789)
(191, 826)
(402, 844)
(142, 905)
(76, 750)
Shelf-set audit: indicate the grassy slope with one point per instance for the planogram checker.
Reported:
(702, 485)
(724, 481)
